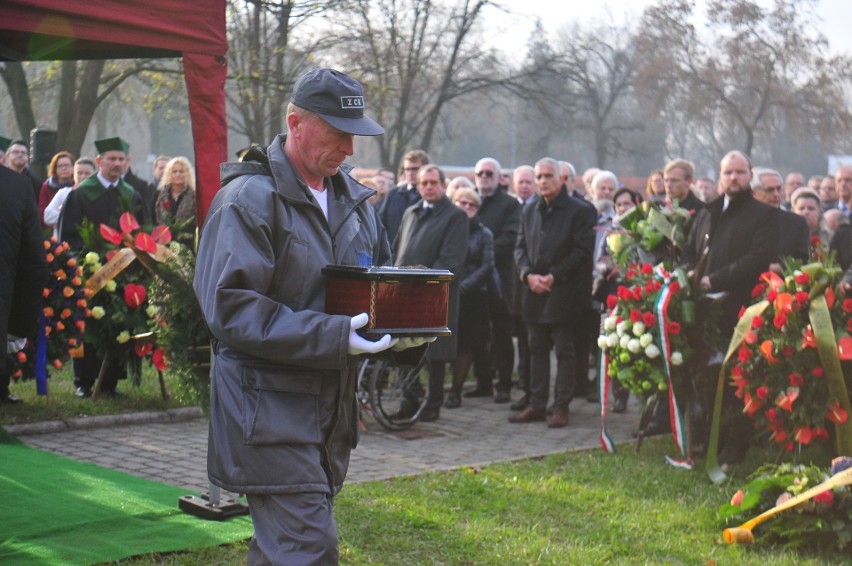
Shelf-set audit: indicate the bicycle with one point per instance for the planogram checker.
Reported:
(390, 392)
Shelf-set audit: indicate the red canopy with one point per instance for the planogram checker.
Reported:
(39, 30)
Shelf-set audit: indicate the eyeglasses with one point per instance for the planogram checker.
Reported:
(466, 204)
(771, 189)
(411, 169)
(484, 173)
(17, 152)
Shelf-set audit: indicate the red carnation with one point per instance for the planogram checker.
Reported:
(758, 290)
(674, 328)
(801, 297)
(780, 320)
(847, 305)
(649, 319)
(611, 302)
(637, 293)
(635, 315)
(750, 338)
(795, 379)
(674, 287)
(762, 392)
(647, 269)
(756, 322)
(803, 278)
(745, 355)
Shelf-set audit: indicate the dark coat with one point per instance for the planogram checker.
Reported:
(23, 269)
(692, 203)
(394, 205)
(557, 239)
(794, 236)
(437, 242)
(98, 205)
(478, 270)
(146, 191)
(743, 242)
(841, 243)
(283, 413)
(501, 214)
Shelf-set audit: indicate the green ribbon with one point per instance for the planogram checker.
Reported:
(743, 326)
(827, 350)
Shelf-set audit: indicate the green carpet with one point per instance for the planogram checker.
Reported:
(54, 510)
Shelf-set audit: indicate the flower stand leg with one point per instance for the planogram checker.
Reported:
(101, 374)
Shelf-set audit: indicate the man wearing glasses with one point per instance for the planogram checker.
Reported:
(18, 160)
(795, 235)
(405, 194)
(501, 214)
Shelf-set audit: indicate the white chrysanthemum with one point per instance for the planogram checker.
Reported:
(652, 351)
(609, 323)
(612, 340)
(624, 341)
(638, 329)
(621, 327)
(602, 343)
(646, 339)
(92, 258)
(634, 346)
(677, 358)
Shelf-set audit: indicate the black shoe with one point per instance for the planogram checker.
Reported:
(453, 401)
(477, 393)
(430, 414)
(521, 403)
(620, 405)
(10, 399)
(502, 397)
(83, 392)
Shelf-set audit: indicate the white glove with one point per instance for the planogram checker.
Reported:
(14, 344)
(406, 343)
(360, 345)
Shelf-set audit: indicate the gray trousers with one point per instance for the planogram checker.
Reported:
(292, 529)
(542, 338)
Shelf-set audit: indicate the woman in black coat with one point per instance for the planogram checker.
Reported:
(475, 280)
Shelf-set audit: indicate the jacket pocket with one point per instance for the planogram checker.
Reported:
(280, 406)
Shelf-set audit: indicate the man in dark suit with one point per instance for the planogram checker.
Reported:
(500, 213)
(405, 194)
(433, 233)
(793, 232)
(18, 160)
(677, 176)
(524, 183)
(23, 269)
(741, 234)
(554, 257)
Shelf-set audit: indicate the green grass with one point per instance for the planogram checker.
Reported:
(62, 404)
(578, 508)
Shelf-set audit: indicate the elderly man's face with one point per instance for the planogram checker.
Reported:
(793, 182)
(771, 191)
(547, 181)
(843, 183)
(111, 164)
(735, 174)
(524, 183)
(321, 148)
(487, 177)
(677, 184)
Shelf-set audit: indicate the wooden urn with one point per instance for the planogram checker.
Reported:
(401, 301)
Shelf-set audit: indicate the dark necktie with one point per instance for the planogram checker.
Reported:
(427, 210)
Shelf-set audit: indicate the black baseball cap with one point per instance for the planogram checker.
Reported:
(336, 98)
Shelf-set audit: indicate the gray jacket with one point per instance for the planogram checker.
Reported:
(283, 414)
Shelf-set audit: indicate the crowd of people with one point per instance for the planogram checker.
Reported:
(527, 247)
(96, 189)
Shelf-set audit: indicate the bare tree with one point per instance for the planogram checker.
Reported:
(753, 72)
(265, 59)
(414, 57)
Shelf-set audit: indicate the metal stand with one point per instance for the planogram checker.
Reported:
(210, 506)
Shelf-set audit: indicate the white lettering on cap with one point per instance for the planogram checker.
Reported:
(351, 102)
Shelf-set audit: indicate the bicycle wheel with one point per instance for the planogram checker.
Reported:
(362, 391)
(397, 394)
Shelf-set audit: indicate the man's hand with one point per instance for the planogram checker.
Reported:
(705, 284)
(359, 345)
(539, 284)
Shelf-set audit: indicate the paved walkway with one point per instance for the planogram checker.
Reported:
(173, 450)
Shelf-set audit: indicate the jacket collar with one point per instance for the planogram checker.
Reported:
(561, 201)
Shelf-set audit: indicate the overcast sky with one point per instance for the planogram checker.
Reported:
(514, 31)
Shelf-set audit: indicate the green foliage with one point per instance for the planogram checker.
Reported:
(181, 330)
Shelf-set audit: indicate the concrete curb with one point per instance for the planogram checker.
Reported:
(106, 421)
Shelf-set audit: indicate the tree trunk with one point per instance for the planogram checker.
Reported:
(19, 91)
